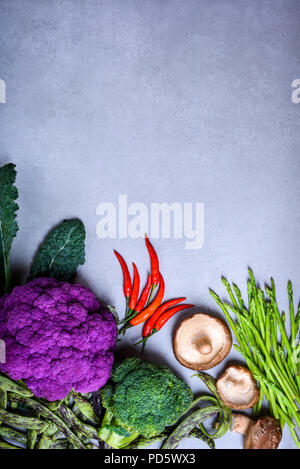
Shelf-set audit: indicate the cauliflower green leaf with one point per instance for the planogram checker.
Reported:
(61, 253)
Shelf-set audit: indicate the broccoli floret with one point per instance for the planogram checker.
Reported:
(146, 398)
(106, 395)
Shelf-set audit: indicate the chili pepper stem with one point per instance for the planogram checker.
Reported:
(151, 294)
(127, 304)
(144, 339)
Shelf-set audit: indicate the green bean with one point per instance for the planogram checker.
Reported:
(198, 433)
(188, 424)
(71, 420)
(21, 421)
(53, 406)
(31, 439)
(45, 442)
(4, 445)
(48, 437)
(49, 415)
(85, 408)
(225, 412)
(3, 399)
(6, 384)
(32, 436)
(59, 444)
(12, 435)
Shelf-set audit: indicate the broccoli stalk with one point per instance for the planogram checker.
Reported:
(113, 434)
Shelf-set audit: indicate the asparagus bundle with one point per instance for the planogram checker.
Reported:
(272, 356)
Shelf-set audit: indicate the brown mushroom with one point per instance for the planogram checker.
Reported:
(237, 388)
(201, 342)
(265, 433)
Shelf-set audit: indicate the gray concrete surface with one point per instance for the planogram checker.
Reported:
(165, 101)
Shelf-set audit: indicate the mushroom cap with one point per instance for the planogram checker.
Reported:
(201, 341)
(237, 388)
(265, 433)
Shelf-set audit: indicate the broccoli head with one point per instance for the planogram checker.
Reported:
(143, 399)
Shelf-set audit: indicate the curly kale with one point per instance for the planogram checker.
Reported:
(144, 400)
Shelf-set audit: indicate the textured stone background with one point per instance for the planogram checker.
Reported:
(163, 100)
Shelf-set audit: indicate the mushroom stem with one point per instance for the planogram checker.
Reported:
(240, 423)
(203, 345)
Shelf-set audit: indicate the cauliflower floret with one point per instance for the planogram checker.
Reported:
(57, 337)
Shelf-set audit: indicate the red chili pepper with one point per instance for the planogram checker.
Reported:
(152, 320)
(147, 312)
(126, 275)
(154, 262)
(163, 318)
(135, 289)
(161, 321)
(144, 296)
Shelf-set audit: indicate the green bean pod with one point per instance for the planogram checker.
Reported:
(85, 408)
(198, 433)
(31, 439)
(8, 385)
(226, 412)
(49, 415)
(4, 445)
(21, 421)
(188, 424)
(7, 433)
(3, 399)
(73, 422)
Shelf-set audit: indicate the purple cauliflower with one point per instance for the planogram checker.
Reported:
(57, 337)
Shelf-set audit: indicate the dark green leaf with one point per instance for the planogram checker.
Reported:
(118, 430)
(113, 310)
(8, 224)
(61, 252)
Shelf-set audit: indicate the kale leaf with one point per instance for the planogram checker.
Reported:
(61, 253)
(8, 224)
